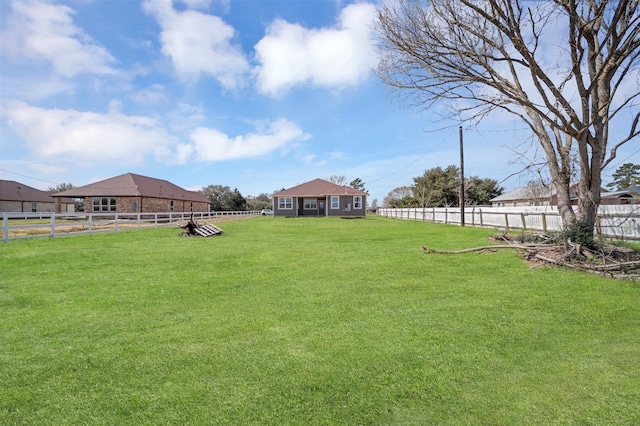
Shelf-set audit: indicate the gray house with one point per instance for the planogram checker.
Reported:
(320, 198)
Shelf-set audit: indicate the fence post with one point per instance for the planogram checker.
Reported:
(90, 224)
(446, 215)
(53, 225)
(544, 222)
(5, 227)
(506, 221)
(116, 219)
(481, 223)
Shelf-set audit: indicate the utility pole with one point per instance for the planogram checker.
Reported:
(461, 197)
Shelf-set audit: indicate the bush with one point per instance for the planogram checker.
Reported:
(581, 233)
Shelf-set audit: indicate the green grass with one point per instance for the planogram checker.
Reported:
(309, 321)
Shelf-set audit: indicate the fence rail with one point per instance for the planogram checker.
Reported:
(616, 222)
(39, 225)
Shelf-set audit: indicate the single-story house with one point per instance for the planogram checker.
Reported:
(629, 195)
(539, 195)
(320, 198)
(18, 197)
(132, 193)
(524, 196)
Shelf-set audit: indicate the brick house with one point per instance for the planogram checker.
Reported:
(132, 193)
(18, 197)
(629, 195)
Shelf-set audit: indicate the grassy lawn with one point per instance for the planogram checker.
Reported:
(309, 321)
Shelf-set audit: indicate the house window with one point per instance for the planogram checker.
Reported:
(171, 206)
(335, 202)
(34, 207)
(310, 204)
(357, 202)
(191, 207)
(285, 203)
(104, 204)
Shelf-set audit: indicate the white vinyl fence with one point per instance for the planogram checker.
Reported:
(37, 225)
(619, 221)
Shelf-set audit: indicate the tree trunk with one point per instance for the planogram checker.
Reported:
(588, 189)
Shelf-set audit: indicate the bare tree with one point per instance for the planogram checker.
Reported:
(397, 194)
(568, 68)
(338, 179)
(538, 193)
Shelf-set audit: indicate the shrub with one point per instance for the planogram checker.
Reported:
(581, 233)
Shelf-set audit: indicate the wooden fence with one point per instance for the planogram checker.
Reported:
(38, 225)
(619, 221)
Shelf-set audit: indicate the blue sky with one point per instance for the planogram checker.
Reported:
(256, 95)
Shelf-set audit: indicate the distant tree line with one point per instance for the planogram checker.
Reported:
(440, 187)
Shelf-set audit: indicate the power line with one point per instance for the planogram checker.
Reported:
(629, 156)
(411, 163)
(29, 177)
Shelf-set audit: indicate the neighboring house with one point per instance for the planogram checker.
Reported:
(629, 195)
(18, 197)
(524, 196)
(131, 193)
(320, 198)
(539, 195)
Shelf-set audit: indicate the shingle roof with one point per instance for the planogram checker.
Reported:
(627, 191)
(15, 191)
(133, 185)
(524, 193)
(318, 188)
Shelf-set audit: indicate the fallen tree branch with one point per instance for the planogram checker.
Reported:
(492, 247)
(620, 270)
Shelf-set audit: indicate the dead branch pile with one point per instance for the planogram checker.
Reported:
(614, 261)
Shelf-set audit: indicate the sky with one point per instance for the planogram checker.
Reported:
(257, 95)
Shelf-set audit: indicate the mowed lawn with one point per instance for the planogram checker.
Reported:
(309, 322)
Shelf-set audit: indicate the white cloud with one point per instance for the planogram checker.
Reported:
(85, 138)
(291, 55)
(151, 95)
(198, 43)
(212, 145)
(46, 32)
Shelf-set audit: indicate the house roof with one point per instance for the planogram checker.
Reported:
(15, 191)
(632, 190)
(523, 193)
(133, 185)
(11, 190)
(318, 188)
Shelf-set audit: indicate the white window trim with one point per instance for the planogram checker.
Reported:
(314, 200)
(101, 206)
(282, 203)
(357, 202)
(335, 197)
